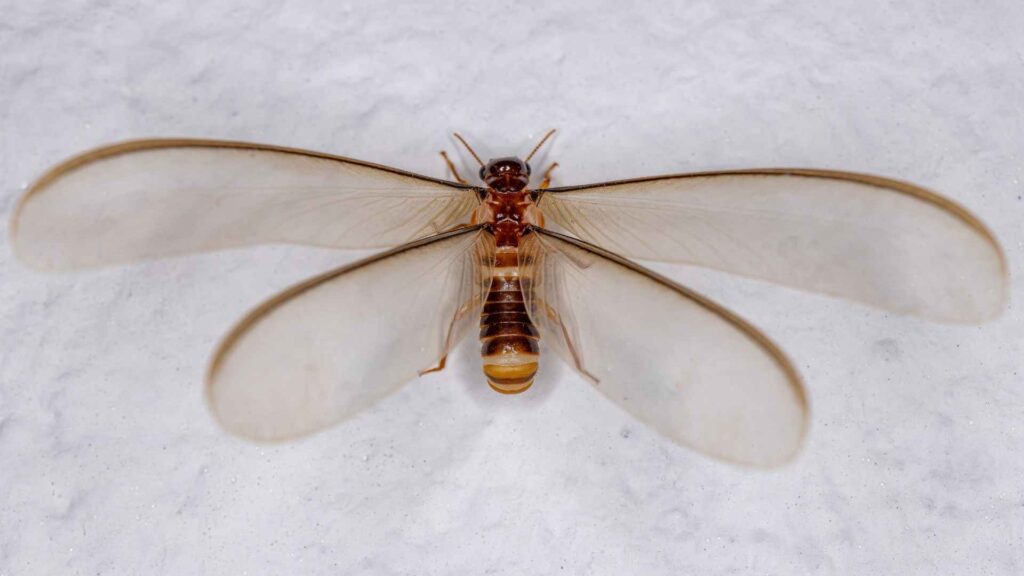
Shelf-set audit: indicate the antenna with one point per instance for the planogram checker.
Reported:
(539, 144)
(468, 147)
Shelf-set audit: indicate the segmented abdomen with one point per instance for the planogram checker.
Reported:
(510, 340)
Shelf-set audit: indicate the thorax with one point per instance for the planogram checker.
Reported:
(507, 214)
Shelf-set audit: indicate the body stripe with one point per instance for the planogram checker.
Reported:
(509, 340)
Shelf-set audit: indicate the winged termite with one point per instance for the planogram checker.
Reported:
(329, 347)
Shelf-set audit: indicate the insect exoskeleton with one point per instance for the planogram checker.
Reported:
(510, 347)
(330, 347)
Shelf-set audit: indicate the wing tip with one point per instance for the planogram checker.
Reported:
(236, 428)
(23, 255)
(791, 450)
(759, 458)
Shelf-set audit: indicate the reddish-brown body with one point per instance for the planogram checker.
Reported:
(508, 214)
(510, 342)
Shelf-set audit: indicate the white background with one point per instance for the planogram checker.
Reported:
(110, 464)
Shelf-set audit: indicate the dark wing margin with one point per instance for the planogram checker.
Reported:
(156, 198)
(330, 347)
(676, 361)
(870, 239)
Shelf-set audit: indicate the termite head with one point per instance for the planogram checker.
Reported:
(506, 174)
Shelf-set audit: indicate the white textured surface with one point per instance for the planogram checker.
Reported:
(110, 464)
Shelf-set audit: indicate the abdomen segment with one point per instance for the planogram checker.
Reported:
(510, 342)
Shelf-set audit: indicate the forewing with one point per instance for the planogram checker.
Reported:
(157, 198)
(681, 364)
(332, 346)
(874, 240)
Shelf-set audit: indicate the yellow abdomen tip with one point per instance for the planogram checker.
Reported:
(510, 379)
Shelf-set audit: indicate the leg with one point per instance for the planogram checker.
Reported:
(554, 317)
(459, 315)
(547, 177)
(435, 368)
(451, 167)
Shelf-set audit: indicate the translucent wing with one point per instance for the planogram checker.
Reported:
(874, 240)
(332, 346)
(683, 365)
(156, 198)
